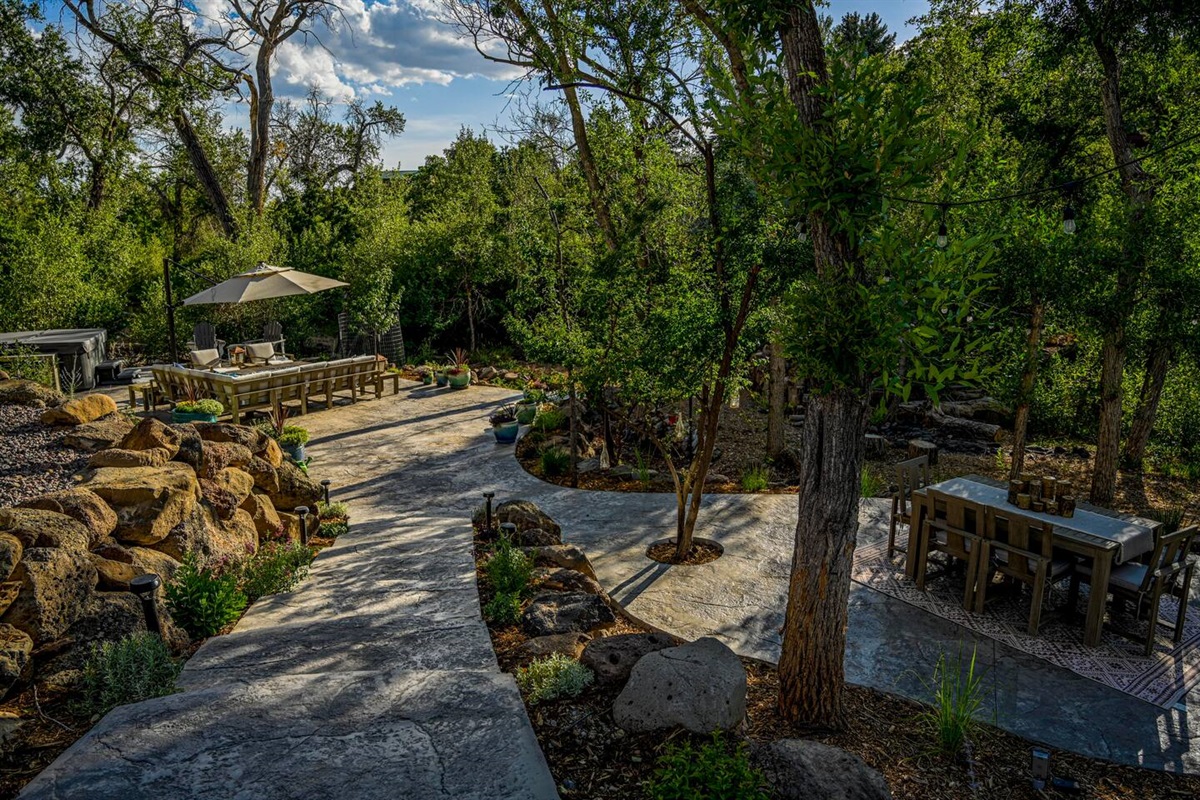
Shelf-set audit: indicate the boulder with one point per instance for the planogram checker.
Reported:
(15, 650)
(149, 501)
(17, 392)
(253, 439)
(8, 593)
(238, 483)
(211, 538)
(565, 612)
(110, 617)
(295, 489)
(55, 584)
(150, 434)
(266, 477)
(567, 580)
(191, 447)
(152, 561)
(527, 516)
(266, 518)
(569, 644)
(219, 455)
(88, 408)
(82, 505)
(114, 576)
(103, 433)
(612, 657)
(567, 556)
(535, 537)
(113, 552)
(11, 550)
(228, 490)
(37, 528)
(699, 686)
(800, 769)
(119, 457)
(289, 526)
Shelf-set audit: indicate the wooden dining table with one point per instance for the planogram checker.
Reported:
(1104, 536)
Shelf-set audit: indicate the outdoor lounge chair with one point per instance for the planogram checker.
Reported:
(273, 333)
(1145, 584)
(264, 353)
(204, 337)
(206, 359)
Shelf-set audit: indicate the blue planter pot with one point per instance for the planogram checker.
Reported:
(505, 432)
(442, 380)
(295, 452)
(182, 416)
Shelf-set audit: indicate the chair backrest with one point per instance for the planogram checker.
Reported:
(259, 351)
(1020, 533)
(273, 331)
(1171, 549)
(962, 517)
(205, 336)
(911, 475)
(206, 358)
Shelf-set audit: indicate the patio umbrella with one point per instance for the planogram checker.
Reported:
(261, 283)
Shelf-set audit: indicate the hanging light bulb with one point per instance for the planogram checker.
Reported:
(1068, 220)
(802, 230)
(943, 237)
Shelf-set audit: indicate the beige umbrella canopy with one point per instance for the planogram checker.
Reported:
(262, 283)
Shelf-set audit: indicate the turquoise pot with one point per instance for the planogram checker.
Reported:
(505, 432)
(179, 417)
(442, 380)
(460, 381)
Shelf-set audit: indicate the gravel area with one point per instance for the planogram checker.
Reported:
(32, 458)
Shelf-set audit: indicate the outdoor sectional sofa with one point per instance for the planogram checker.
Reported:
(264, 388)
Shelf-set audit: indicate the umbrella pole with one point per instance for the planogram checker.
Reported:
(172, 343)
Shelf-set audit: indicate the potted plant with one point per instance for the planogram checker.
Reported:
(197, 411)
(458, 374)
(427, 373)
(292, 440)
(504, 424)
(440, 376)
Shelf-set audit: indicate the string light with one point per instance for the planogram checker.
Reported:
(1068, 219)
(802, 230)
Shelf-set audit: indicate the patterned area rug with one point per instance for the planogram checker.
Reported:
(1161, 679)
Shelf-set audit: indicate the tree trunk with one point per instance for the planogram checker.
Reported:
(1108, 444)
(210, 184)
(1033, 343)
(574, 428)
(470, 314)
(776, 400)
(811, 674)
(97, 183)
(1157, 365)
(262, 103)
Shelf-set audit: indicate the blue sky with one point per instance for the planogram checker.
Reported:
(397, 51)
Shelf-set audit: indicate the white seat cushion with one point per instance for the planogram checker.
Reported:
(1127, 576)
(204, 358)
(260, 351)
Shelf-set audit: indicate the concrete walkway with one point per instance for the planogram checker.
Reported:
(376, 678)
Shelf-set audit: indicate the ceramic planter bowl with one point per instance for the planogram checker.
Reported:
(460, 381)
(505, 432)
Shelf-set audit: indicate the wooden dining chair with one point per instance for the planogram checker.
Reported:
(1018, 548)
(910, 476)
(1145, 584)
(958, 534)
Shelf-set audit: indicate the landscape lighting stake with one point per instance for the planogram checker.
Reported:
(325, 488)
(508, 530)
(488, 497)
(302, 512)
(144, 586)
(1039, 767)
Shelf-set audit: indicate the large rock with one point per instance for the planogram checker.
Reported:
(19, 392)
(527, 516)
(8, 594)
(567, 556)
(191, 447)
(113, 552)
(566, 580)
(254, 440)
(266, 477)
(568, 644)
(211, 538)
(800, 769)
(700, 686)
(295, 489)
(119, 457)
(150, 434)
(37, 528)
(88, 408)
(567, 612)
(83, 506)
(11, 550)
(219, 455)
(99, 435)
(114, 576)
(535, 537)
(55, 585)
(266, 519)
(149, 501)
(154, 562)
(15, 650)
(612, 657)
(110, 617)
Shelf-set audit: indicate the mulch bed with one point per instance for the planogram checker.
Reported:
(591, 758)
(701, 552)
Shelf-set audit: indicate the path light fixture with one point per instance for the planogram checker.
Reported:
(145, 586)
(508, 530)
(487, 496)
(325, 489)
(302, 513)
(1039, 767)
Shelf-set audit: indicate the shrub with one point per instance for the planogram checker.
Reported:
(503, 609)
(548, 418)
(275, 568)
(333, 511)
(555, 461)
(508, 571)
(203, 600)
(136, 668)
(292, 436)
(957, 698)
(643, 471)
(713, 771)
(1171, 518)
(755, 479)
(554, 676)
(332, 530)
(207, 406)
(870, 484)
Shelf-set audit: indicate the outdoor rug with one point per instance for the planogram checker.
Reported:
(1162, 679)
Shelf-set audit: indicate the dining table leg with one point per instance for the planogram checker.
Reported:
(1102, 563)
